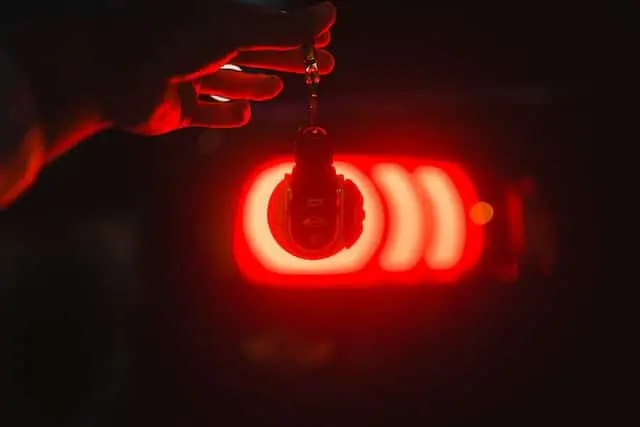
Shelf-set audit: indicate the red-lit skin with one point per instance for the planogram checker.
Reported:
(143, 70)
(371, 273)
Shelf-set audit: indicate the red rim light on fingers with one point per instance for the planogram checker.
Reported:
(418, 228)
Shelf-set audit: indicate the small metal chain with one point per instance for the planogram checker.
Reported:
(312, 78)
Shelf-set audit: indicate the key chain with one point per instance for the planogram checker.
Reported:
(315, 212)
(312, 79)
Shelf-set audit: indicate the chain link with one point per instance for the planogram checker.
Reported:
(312, 79)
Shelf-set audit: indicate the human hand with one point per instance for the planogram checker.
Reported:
(191, 64)
(143, 69)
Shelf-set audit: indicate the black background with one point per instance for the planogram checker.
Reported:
(505, 91)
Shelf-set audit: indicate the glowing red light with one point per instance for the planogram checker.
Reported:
(418, 228)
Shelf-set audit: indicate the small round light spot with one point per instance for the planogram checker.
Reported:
(481, 213)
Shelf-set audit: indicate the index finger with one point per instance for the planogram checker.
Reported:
(262, 30)
(234, 28)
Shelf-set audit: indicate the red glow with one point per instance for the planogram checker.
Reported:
(417, 228)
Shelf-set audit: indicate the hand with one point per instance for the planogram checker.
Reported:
(191, 61)
(143, 69)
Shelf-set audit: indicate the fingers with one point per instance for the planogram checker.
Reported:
(323, 39)
(203, 45)
(238, 85)
(282, 31)
(288, 61)
(217, 115)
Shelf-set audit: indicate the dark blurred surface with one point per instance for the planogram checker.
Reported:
(120, 304)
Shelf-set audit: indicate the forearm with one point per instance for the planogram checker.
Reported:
(22, 149)
(59, 60)
(45, 112)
